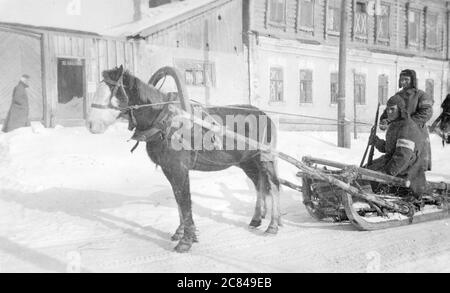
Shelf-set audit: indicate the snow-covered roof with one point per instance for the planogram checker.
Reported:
(163, 16)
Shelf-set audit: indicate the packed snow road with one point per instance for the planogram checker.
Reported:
(71, 201)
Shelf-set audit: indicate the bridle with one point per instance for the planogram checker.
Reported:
(117, 85)
(129, 110)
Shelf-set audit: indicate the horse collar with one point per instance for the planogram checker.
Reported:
(157, 130)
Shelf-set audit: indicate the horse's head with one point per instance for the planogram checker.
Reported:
(110, 97)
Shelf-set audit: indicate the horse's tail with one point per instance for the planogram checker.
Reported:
(270, 139)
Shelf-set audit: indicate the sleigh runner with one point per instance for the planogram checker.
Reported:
(324, 200)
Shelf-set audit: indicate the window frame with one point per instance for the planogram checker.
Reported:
(378, 18)
(278, 87)
(195, 66)
(438, 43)
(300, 26)
(306, 82)
(274, 23)
(413, 43)
(356, 35)
(356, 84)
(432, 89)
(335, 101)
(328, 6)
(385, 85)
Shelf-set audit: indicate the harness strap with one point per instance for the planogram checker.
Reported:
(135, 147)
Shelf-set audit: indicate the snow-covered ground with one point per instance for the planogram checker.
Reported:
(70, 199)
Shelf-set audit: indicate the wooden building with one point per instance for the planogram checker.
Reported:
(65, 67)
(203, 39)
(294, 45)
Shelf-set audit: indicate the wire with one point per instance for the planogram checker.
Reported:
(288, 114)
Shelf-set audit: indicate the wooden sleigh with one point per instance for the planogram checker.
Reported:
(333, 190)
(370, 211)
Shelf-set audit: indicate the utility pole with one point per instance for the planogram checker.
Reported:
(343, 125)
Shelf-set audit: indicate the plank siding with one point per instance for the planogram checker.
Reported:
(398, 26)
(217, 30)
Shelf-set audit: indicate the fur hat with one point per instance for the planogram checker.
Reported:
(412, 74)
(398, 101)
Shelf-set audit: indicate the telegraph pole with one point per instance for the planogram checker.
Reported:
(343, 124)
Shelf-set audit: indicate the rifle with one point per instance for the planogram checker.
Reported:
(373, 132)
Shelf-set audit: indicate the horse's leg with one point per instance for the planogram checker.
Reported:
(179, 233)
(272, 189)
(178, 177)
(252, 170)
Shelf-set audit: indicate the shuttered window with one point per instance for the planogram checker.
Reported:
(306, 14)
(432, 30)
(334, 15)
(360, 25)
(383, 24)
(413, 28)
(277, 11)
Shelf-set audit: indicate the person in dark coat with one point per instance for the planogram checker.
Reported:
(18, 114)
(418, 104)
(403, 148)
(443, 121)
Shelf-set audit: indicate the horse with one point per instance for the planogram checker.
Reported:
(149, 112)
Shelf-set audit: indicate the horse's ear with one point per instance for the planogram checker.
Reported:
(121, 68)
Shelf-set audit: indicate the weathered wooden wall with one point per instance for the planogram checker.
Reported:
(20, 53)
(98, 54)
(319, 35)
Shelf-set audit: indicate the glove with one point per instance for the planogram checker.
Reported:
(374, 140)
(384, 124)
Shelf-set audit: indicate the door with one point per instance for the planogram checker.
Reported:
(71, 89)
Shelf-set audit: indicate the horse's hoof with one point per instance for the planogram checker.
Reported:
(177, 236)
(255, 224)
(271, 230)
(183, 246)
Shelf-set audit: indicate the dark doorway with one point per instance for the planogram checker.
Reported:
(71, 89)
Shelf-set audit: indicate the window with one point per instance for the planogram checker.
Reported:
(306, 17)
(334, 87)
(429, 88)
(360, 89)
(197, 73)
(306, 80)
(277, 11)
(276, 84)
(334, 16)
(195, 77)
(383, 89)
(156, 3)
(382, 24)
(414, 28)
(432, 31)
(360, 21)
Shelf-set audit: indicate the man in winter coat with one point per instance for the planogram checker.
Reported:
(443, 121)
(418, 104)
(403, 148)
(18, 115)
